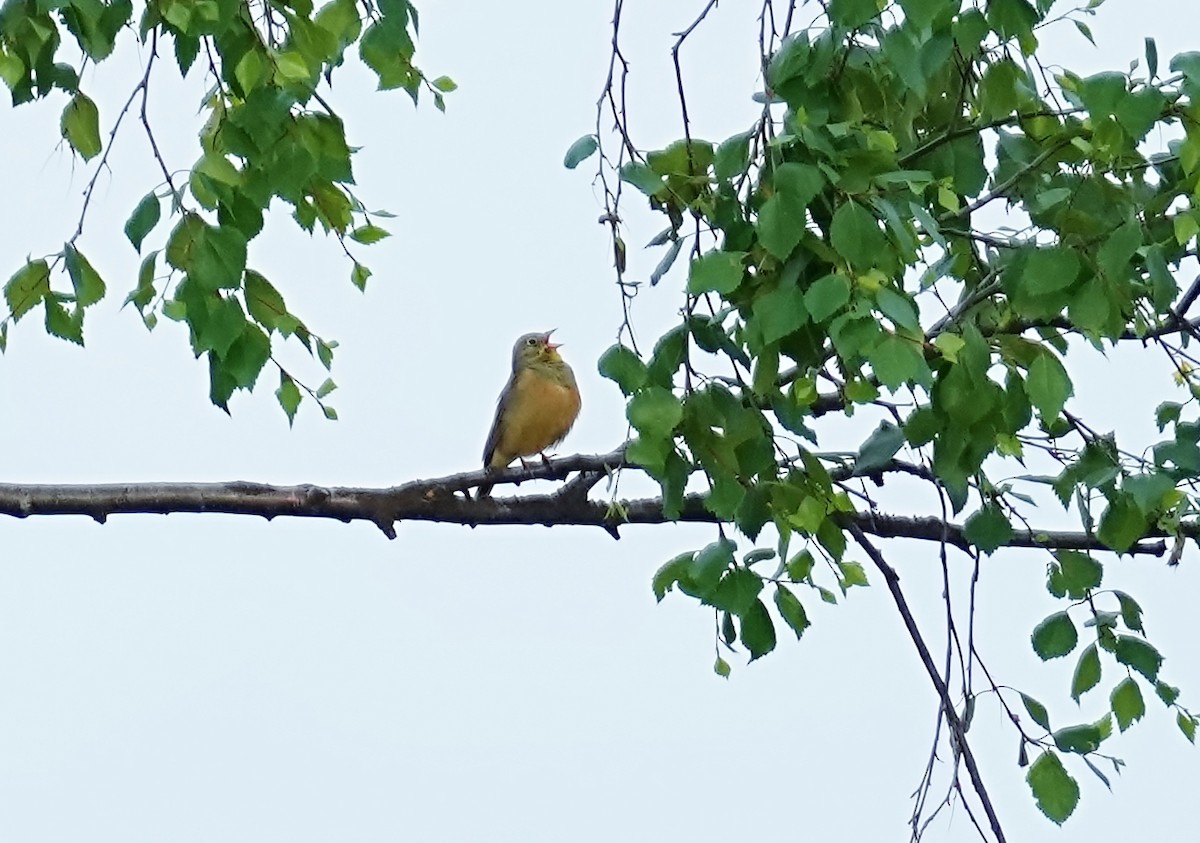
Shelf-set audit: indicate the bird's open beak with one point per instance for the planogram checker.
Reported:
(553, 346)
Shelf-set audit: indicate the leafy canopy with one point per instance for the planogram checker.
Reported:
(268, 134)
(925, 223)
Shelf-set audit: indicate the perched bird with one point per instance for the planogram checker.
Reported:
(539, 404)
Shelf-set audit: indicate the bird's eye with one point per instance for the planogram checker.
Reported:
(531, 341)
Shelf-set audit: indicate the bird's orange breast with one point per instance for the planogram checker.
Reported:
(539, 414)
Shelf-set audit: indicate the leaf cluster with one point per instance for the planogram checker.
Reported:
(269, 135)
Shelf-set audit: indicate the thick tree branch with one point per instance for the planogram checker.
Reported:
(447, 500)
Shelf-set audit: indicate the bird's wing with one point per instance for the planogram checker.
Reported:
(489, 449)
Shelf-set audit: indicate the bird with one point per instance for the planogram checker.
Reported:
(536, 408)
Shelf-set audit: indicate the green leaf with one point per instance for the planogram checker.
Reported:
(852, 13)
(81, 126)
(998, 90)
(654, 412)
(643, 178)
(181, 244)
(779, 313)
(716, 272)
(1079, 573)
(60, 323)
(445, 84)
(856, 236)
(682, 158)
(758, 630)
(580, 151)
(1186, 227)
(1037, 711)
(800, 566)
(1117, 249)
(780, 225)
(852, 574)
(878, 449)
(781, 220)
(1122, 523)
(1131, 611)
(666, 262)
(1087, 673)
(732, 156)
(670, 573)
(145, 216)
(791, 610)
(288, 395)
(1055, 791)
(250, 70)
(218, 257)
(728, 630)
(221, 383)
(1014, 19)
(827, 296)
(1080, 739)
(263, 301)
(368, 234)
(922, 12)
(143, 294)
(1050, 269)
(247, 355)
(921, 427)
(1048, 385)
(325, 352)
(988, 529)
(340, 18)
(387, 48)
(89, 286)
(225, 323)
(1055, 636)
(1187, 725)
(899, 308)
(620, 365)
(1084, 30)
(738, 588)
(1139, 654)
(1166, 413)
(359, 275)
(896, 361)
(1147, 490)
(1127, 703)
(1167, 693)
(1102, 92)
(26, 288)
(707, 567)
(721, 668)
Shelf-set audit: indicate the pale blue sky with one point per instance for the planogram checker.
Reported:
(195, 678)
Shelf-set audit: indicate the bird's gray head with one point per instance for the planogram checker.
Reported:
(534, 348)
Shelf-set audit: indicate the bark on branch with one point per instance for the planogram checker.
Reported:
(447, 500)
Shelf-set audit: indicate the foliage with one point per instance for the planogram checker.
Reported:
(929, 221)
(268, 134)
(924, 227)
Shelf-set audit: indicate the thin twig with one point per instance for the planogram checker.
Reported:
(958, 731)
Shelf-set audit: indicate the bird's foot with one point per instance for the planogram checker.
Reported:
(545, 459)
